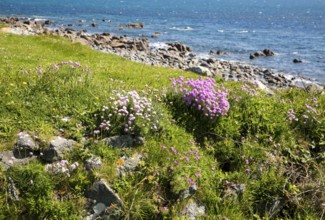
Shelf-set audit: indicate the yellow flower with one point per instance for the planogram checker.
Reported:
(11, 84)
(24, 83)
(120, 162)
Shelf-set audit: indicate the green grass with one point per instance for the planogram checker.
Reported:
(279, 161)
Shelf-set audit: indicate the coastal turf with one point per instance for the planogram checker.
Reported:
(255, 162)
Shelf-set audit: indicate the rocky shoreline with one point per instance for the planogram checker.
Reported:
(173, 55)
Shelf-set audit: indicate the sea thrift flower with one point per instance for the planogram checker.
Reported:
(127, 108)
(191, 181)
(202, 96)
(163, 147)
(291, 115)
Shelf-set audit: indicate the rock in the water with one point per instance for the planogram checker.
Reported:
(48, 22)
(155, 35)
(180, 47)
(268, 52)
(57, 149)
(102, 193)
(265, 52)
(200, 70)
(123, 141)
(93, 162)
(24, 145)
(135, 25)
(256, 54)
(93, 25)
(217, 52)
(252, 56)
(193, 211)
(297, 60)
(128, 165)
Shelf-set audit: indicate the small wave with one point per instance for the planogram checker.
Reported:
(202, 55)
(157, 45)
(40, 18)
(221, 31)
(242, 32)
(182, 29)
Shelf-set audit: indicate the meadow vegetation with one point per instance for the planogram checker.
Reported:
(249, 154)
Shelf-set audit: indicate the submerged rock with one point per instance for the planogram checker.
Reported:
(217, 52)
(135, 25)
(268, 52)
(155, 35)
(297, 60)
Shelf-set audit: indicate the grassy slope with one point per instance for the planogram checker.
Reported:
(256, 126)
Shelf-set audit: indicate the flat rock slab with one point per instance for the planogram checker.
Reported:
(93, 162)
(58, 148)
(123, 141)
(101, 192)
(193, 211)
(128, 164)
(8, 159)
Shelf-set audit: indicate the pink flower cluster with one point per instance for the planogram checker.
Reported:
(57, 66)
(249, 90)
(62, 167)
(308, 114)
(184, 161)
(130, 109)
(202, 95)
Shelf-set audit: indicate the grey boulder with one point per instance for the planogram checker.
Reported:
(58, 148)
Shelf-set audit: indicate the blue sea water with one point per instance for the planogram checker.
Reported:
(291, 28)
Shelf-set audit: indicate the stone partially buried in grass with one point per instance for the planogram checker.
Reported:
(128, 164)
(58, 148)
(124, 141)
(7, 159)
(25, 145)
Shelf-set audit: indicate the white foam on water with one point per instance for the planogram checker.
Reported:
(242, 31)
(157, 45)
(182, 29)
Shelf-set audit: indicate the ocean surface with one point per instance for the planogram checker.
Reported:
(291, 28)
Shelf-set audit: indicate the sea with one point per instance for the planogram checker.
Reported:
(290, 28)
